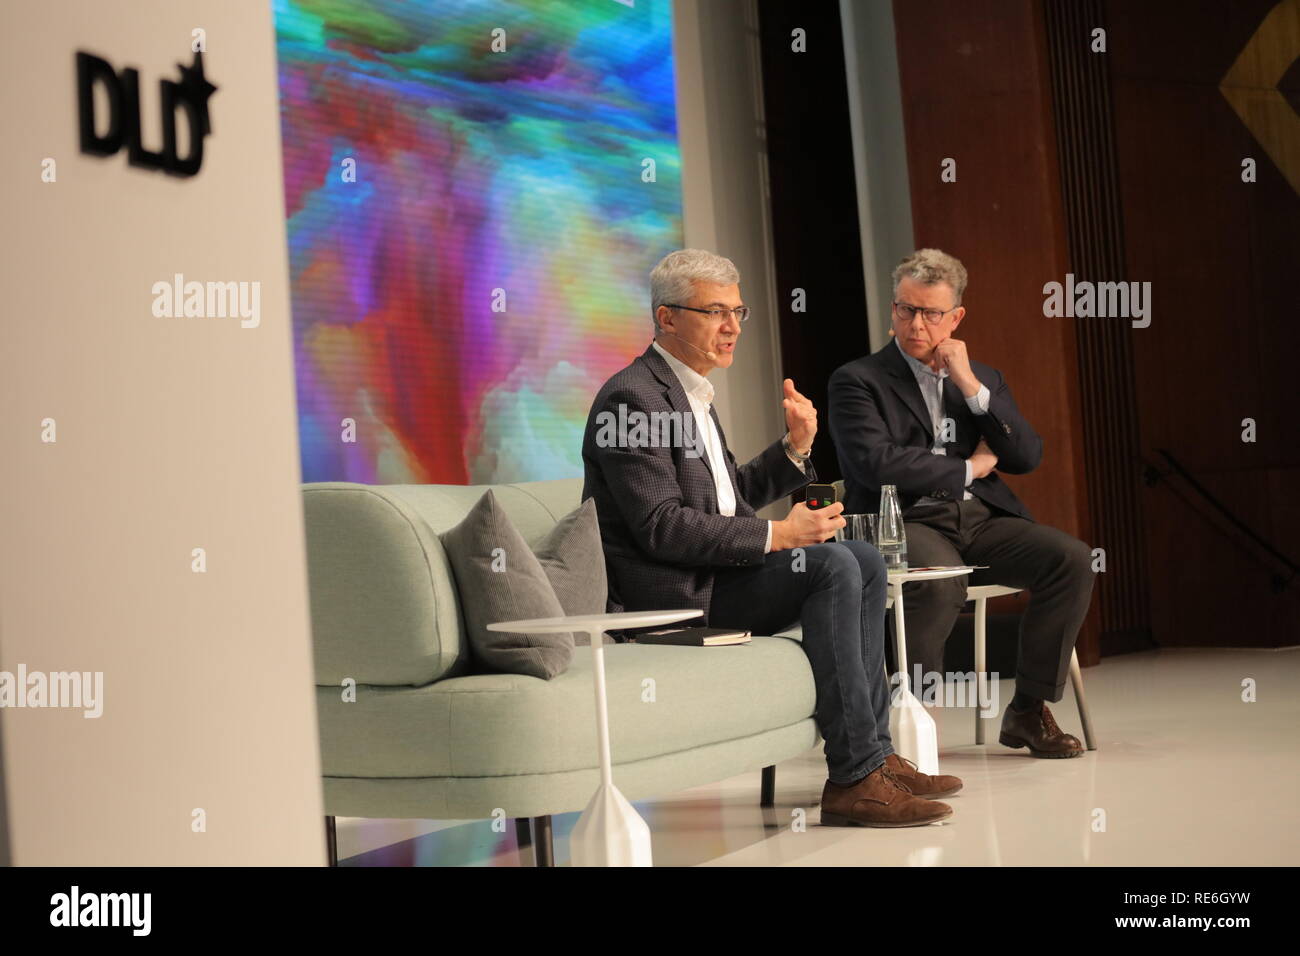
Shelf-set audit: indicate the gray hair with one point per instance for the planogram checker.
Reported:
(672, 281)
(930, 267)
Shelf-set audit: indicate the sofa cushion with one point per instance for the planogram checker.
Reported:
(573, 558)
(383, 602)
(498, 578)
(383, 605)
(503, 724)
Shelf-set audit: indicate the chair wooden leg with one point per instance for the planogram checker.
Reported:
(543, 846)
(331, 841)
(767, 792)
(1076, 678)
(981, 667)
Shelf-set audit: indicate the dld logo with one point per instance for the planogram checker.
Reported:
(123, 94)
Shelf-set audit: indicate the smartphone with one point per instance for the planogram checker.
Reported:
(819, 496)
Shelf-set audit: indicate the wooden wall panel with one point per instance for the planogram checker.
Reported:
(1090, 192)
(1221, 255)
(1126, 166)
(977, 88)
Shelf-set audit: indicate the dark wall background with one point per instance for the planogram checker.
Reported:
(1223, 256)
(1126, 165)
(976, 87)
(1116, 166)
(814, 209)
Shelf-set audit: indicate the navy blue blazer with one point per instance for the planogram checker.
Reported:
(883, 435)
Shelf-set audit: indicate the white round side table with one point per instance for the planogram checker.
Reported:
(610, 832)
(917, 737)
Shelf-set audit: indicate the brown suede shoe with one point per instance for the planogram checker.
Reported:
(922, 784)
(878, 800)
(1037, 730)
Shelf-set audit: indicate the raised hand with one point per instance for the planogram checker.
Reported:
(800, 418)
(951, 354)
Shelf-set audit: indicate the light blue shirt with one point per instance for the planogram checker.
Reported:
(931, 385)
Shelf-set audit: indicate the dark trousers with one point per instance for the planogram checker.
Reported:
(1053, 566)
(837, 592)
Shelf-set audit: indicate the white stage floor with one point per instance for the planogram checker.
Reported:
(1186, 773)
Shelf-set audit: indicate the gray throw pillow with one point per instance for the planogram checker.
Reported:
(573, 560)
(513, 583)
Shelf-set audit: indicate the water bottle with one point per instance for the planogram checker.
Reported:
(891, 538)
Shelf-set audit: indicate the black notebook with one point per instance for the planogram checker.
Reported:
(694, 636)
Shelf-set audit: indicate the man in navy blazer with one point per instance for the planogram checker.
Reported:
(678, 524)
(921, 415)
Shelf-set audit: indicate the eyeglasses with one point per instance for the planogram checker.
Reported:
(720, 315)
(932, 316)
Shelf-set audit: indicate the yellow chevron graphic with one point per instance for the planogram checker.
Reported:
(1250, 87)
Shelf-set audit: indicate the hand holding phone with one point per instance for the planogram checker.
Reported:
(811, 521)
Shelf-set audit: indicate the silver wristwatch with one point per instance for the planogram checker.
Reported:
(789, 448)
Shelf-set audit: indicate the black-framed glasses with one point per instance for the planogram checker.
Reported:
(720, 315)
(931, 315)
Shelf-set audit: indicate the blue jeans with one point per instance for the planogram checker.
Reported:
(837, 591)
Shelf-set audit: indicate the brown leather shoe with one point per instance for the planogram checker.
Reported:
(1037, 729)
(878, 800)
(922, 784)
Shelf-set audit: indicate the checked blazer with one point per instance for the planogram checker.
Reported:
(663, 536)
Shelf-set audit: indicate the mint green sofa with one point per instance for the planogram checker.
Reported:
(426, 739)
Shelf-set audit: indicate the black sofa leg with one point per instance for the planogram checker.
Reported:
(543, 847)
(523, 837)
(331, 841)
(767, 795)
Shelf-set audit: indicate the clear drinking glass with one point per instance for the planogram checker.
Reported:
(857, 528)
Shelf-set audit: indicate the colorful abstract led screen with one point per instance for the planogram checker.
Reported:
(470, 230)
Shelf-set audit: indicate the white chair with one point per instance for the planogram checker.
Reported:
(980, 594)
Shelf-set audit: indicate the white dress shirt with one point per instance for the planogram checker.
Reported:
(931, 385)
(699, 392)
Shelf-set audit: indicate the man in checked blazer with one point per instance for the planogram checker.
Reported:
(921, 415)
(678, 524)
